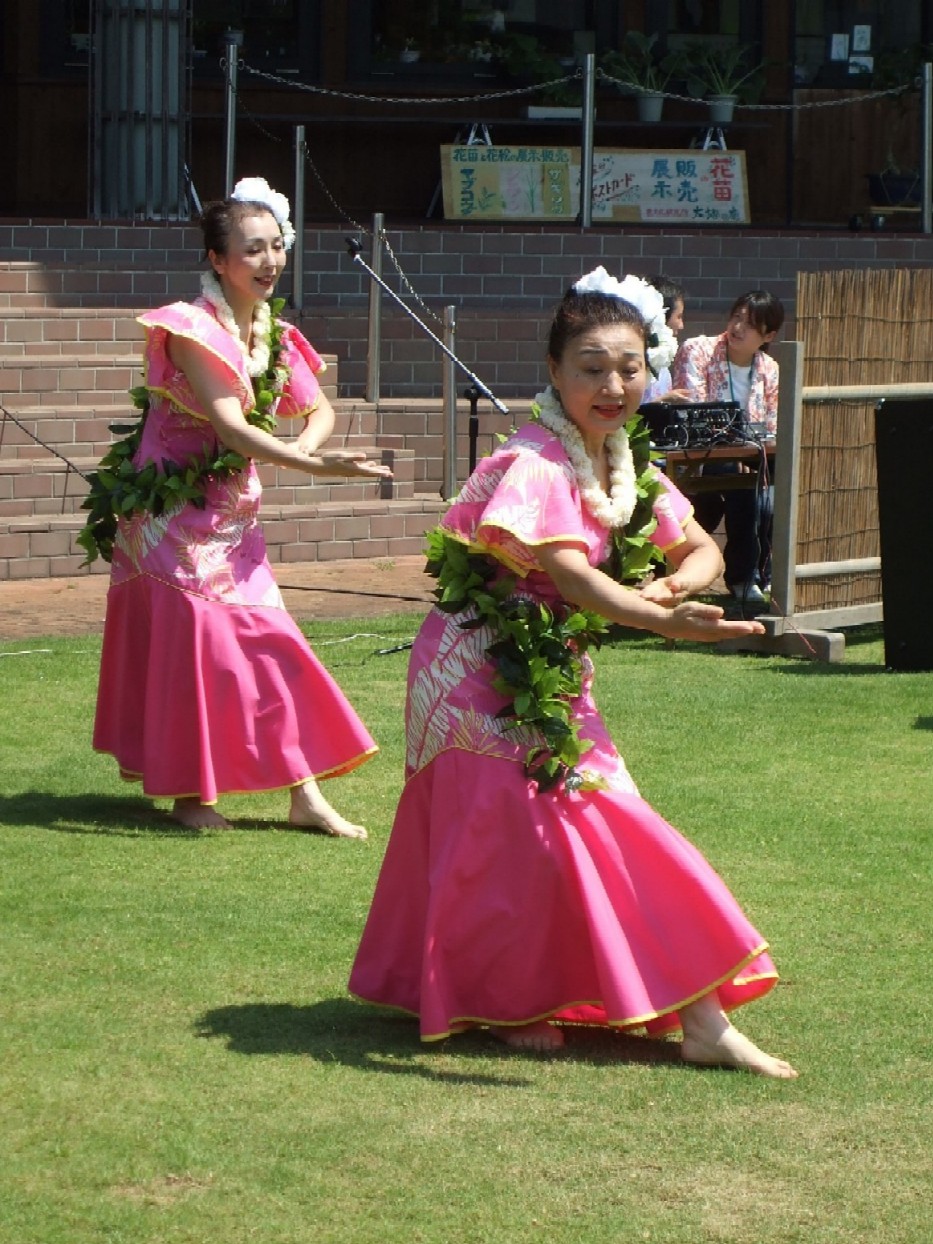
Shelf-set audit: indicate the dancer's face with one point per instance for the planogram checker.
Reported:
(253, 261)
(601, 379)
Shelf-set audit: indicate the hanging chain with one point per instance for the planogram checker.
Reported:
(540, 87)
(483, 97)
(792, 107)
(510, 93)
(343, 214)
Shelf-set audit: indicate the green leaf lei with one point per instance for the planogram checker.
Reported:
(118, 488)
(537, 650)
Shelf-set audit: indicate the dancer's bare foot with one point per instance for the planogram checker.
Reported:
(733, 1049)
(196, 815)
(711, 1041)
(540, 1036)
(310, 810)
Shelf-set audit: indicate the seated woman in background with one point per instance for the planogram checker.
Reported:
(735, 367)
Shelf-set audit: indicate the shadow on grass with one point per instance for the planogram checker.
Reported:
(89, 814)
(357, 1035)
(131, 816)
(855, 637)
(771, 662)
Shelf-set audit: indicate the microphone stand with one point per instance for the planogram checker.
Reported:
(354, 248)
(477, 390)
(472, 395)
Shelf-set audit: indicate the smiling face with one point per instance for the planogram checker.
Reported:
(600, 376)
(252, 263)
(743, 339)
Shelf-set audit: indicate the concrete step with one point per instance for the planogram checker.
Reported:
(65, 378)
(76, 431)
(83, 430)
(61, 281)
(420, 425)
(49, 485)
(68, 380)
(44, 546)
(68, 330)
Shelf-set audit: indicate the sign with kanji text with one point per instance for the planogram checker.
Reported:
(670, 187)
(695, 187)
(510, 183)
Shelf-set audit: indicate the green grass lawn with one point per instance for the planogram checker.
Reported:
(181, 1063)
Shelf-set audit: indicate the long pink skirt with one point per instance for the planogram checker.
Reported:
(499, 905)
(199, 697)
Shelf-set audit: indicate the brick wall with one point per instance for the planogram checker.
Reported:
(503, 281)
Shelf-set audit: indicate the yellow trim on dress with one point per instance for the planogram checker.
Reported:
(129, 775)
(460, 1022)
(499, 554)
(246, 397)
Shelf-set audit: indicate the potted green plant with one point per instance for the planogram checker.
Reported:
(638, 66)
(898, 184)
(410, 52)
(523, 57)
(721, 73)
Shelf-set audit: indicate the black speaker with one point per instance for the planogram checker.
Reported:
(904, 457)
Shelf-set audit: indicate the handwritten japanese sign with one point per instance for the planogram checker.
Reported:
(678, 187)
(532, 183)
(496, 183)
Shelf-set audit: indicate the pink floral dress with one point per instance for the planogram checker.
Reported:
(497, 903)
(701, 366)
(207, 685)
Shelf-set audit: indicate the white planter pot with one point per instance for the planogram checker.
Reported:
(721, 109)
(650, 106)
(554, 111)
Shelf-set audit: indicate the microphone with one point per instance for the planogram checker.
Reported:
(354, 248)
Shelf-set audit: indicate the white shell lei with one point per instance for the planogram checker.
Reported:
(616, 509)
(257, 359)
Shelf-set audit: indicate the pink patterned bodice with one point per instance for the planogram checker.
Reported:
(217, 550)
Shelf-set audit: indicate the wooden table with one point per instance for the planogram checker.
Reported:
(684, 467)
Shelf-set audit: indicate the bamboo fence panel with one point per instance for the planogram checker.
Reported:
(867, 327)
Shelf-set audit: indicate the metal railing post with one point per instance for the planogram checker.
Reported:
(298, 263)
(926, 155)
(449, 486)
(374, 338)
(586, 146)
(789, 355)
(234, 41)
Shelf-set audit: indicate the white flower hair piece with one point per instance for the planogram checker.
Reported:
(647, 301)
(258, 190)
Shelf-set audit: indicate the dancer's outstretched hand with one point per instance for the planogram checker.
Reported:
(348, 462)
(705, 624)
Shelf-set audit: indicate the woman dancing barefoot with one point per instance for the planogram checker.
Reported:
(526, 884)
(206, 684)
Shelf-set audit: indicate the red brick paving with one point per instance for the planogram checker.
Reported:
(337, 589)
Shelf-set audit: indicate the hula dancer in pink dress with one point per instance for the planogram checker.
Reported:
(207, 685)
(526, 883)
